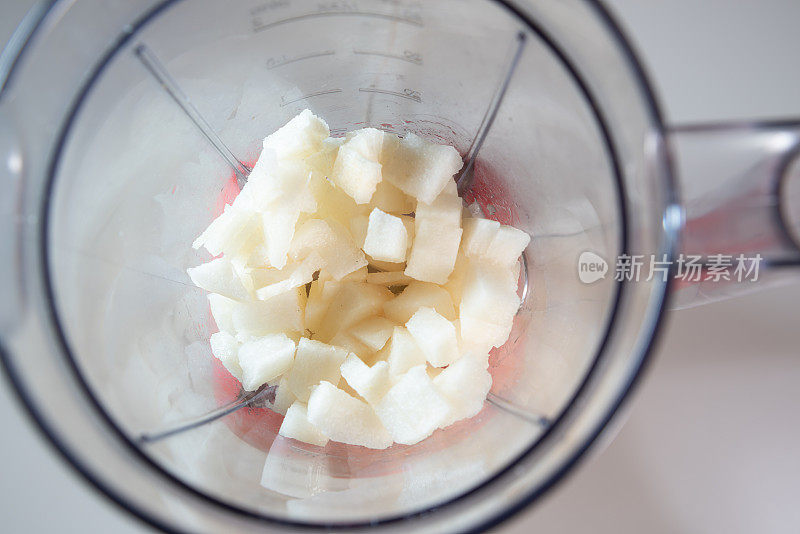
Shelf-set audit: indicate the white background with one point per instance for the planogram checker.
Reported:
(711, 443)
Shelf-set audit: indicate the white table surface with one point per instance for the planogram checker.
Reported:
(711, 443)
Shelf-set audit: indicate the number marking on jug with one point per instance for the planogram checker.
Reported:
(280, 61)
(407, 55)
(285, 102)
(410, 94)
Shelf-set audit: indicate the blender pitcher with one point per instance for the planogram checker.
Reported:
(124, 127)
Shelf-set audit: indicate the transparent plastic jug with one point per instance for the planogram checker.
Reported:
(115, 119)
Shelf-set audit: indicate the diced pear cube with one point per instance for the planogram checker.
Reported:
(387, 237)
(369, 382)
(231, 233)
(367, 141)
(417, 167)
(390, 199)
(403, 352)
(455, 282)
(465, 384)
(226, 349)
(332, 242)
(434, 252)
(333, 204)
(297, 426)
(478, 234)
(278, 226)
(412, 409)
(321, 162)
(313, 363)
(291, 277)
(319, 297)
(478, 334)
(218, 276)
(506, 246)
(281, 313)
(358, 229)
(354, 302)
(373, 332)
(222, 311)
(435, 336)
(354, 346)
(489, 294)
(357, 171)
(346, 419)
(264, 359)
(445, 209)
(300, 137)
(418, 295)
(356, 175)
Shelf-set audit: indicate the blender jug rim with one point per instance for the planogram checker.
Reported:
(655, 116)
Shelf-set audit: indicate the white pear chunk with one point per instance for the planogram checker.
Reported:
(412, 409)
(445, 209)
(403, 352)
(373, 332)
(222, 311)
(332, 242)
(233, 232)
(390, 199)
(218, 276)
(302, 136)
(478, 234)
(435, 336)
(371, 383)
(434, 252)
(489, 294)
(417, 167)
(264, 359)
(354, 302)
(313, 363)
(297, 426)
(386, 238)
(321, 162)
(507, 246)
(320, 294)
(478, 334)
(226, 349)
(291, 277)
(357, 171)
(359, 226)
(281, 313)
(418, 295)
(346, 419)
(465, 384)
(351, 344)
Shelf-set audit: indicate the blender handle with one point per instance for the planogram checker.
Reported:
(741, 207)
(11, 175)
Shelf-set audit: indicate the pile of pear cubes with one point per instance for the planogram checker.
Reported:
(349, 274)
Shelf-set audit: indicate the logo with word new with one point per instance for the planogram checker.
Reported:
(591, 267)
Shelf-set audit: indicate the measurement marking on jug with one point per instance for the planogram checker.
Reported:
(280, 61)
(410, 94)
(310, 95)
(414, 20)
(407, 55)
